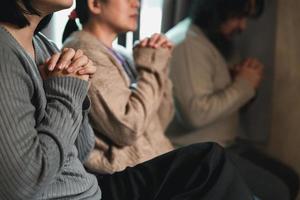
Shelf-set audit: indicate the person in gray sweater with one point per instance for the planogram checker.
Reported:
(45, 134)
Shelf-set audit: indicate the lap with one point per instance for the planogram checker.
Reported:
(262, 182)
(200, 170)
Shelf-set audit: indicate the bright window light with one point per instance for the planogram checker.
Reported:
(150, 22)
(151, 15)
(60, 20)
(129, 40)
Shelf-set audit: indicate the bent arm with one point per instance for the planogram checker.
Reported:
(166, 108)
(118, 112)
(199, 102)
(85, 141)
(34, 151)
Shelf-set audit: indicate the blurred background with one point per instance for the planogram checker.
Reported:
(274, 38)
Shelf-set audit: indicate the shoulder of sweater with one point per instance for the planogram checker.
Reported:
(87, 43)
(6, 47)
(12, 65)
(11, 50)
(91, 47)
(195, 45)
(8, 54)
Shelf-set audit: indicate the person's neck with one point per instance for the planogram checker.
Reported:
(101, 31)
(24, 35)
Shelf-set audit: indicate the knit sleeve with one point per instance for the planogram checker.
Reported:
(119, 113)
(85, 141)
(33, 152)
(199, 102)
(166, 108)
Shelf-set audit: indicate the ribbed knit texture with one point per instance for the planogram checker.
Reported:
(40, 123)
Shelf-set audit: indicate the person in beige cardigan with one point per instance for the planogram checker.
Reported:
(130, 107)
(209, 94)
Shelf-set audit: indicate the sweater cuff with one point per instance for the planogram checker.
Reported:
(151, 59)
(245, 87)
(69, 88)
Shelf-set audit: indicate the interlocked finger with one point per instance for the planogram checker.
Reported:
(78, 63)
(65, 58)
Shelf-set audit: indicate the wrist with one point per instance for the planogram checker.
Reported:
(66, 89)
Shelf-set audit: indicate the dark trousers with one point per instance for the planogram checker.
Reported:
(200, 172)
(283, 173)
(264, 184)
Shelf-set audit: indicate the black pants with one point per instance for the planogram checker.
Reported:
(200, 172)
(283, 172)
(263, 183)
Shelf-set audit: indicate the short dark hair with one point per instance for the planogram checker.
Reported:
(13, 13)
(210, 14)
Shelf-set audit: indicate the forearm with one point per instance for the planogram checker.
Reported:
(85, 141)
(166, 109)
(123, 114)
(36, 149)
(204, 109)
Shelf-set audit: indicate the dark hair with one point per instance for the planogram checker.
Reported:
(210, 14)
(13, 13)
(43, 23)
(82, 12)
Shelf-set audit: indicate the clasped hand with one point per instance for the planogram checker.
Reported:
(68, 62)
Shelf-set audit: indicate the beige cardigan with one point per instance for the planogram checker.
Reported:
(129, 125)
(208, 100)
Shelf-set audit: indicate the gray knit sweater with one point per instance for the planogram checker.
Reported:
(44, 131)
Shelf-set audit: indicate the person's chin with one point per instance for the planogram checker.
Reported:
(132, 27)
(69, 3)
(66, 4)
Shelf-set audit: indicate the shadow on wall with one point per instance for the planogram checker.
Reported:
(259, 41)
(285, 135)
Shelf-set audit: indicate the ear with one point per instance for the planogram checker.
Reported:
(94, 6)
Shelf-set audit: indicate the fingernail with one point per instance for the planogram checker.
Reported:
(70, 69)
(51, 67)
